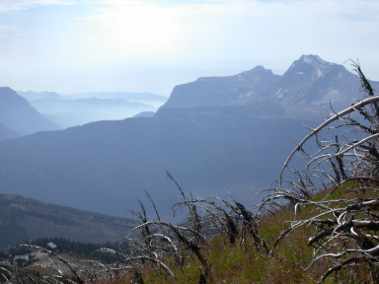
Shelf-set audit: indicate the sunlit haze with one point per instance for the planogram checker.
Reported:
(80, 45)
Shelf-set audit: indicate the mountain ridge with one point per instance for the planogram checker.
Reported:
(24, 219)
(212, 148)
(19, 116)
(304, 85)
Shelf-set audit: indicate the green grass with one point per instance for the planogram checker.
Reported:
(243, 264)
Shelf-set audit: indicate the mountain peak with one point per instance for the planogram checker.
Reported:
(256, 72)
(313, 59)
(311, 66)
(257, 69)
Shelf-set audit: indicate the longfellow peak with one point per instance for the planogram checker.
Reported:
(313, 60)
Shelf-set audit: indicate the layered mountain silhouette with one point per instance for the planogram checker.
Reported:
(23, 219)
(217, 136)
(73, 110)
(18, 116)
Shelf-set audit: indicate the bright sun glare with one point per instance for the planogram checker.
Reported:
(145, 29)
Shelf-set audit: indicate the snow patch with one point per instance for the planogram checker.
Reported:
(308, 59)
(280, 93)
(319, 73)
(313, 59)
(249, 94)
(241, 77)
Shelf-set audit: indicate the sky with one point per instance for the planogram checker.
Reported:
(73, 46)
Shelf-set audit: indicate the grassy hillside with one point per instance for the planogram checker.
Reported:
(242, 263)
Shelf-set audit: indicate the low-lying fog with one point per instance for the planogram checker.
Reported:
(78, 109)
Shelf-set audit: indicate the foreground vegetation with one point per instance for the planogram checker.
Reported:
(319, 225)
(286, 261)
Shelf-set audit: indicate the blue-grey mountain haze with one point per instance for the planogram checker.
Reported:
(216, 135)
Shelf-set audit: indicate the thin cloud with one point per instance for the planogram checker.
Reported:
(16, 5)
(156, 44)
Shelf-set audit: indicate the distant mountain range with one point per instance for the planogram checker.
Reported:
(24, 219)
(18, 117)
(137, 97)
(217, 136)
(309, 86)
(81, 108)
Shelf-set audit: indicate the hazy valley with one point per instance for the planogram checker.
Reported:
(76, 109)
(222, 136)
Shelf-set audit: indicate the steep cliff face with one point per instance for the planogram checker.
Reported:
(241, 89)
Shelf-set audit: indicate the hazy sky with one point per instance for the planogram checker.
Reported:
(152, 45)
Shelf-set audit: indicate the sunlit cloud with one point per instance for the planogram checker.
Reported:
(158, 28)
(156, 44)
